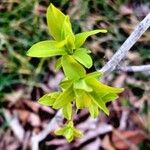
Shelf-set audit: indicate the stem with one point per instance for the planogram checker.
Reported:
(123, 50)
(142, 68)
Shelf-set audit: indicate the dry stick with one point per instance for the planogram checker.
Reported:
(110, 66)
(123, 50)
(142, 68)
(36, 138)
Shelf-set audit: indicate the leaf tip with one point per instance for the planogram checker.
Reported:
(107, 113)
(121, 90)
(28, 53)
(103, 31)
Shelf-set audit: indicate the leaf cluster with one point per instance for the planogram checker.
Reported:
(78, 89)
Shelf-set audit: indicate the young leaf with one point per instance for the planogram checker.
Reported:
(85, 50)
(95, 74)
(45, 49)
(69, 132)
(82, 99)
(48, 99)
(58, 64)
(101, 88)
(64, 98)
(66, 131)
(55, 20)
(93, 109)
(81, 37)
(99, 102)
(65, 84)
(77, 133)
(82, 85)
(67, 33)
(109, 97)
(70, 44)
(72, 69)
(83, 58)
(67, 111)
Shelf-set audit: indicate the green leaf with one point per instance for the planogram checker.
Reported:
(70, 44)
(99, 102)
(59, 25)
(67, 29)
(61, 43)
(109, 97)
(82, 99)
(71, 68)
(67, 111)
(48, 99)
(93, 109)
(85, 50)
(55, 20)
(60, 131)
(67, 34)
(45, 49)
(81, 37)
(101, 88)
(65, 84)
(95, 74)
(78, 133)
(83, 58)
(64, 98)
(82, 85)
(58, 64)
(69, 132)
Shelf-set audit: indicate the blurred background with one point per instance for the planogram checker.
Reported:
(23, 80)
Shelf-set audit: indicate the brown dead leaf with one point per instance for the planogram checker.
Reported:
(134, 58)
(107, 144)
(119, 81)
(23, 115)
(27, 116)
(125, 140)
(35, 107)
(138, 120)
(14, 96)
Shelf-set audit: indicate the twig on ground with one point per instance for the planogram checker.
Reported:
(101, 129)
(123, 120)
(36, 138)
(123, 50)
(14, 124)
(26, 140)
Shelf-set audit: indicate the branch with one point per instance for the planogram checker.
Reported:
(123, 50)
(36, 138)
(142, 68)
(109, 67)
